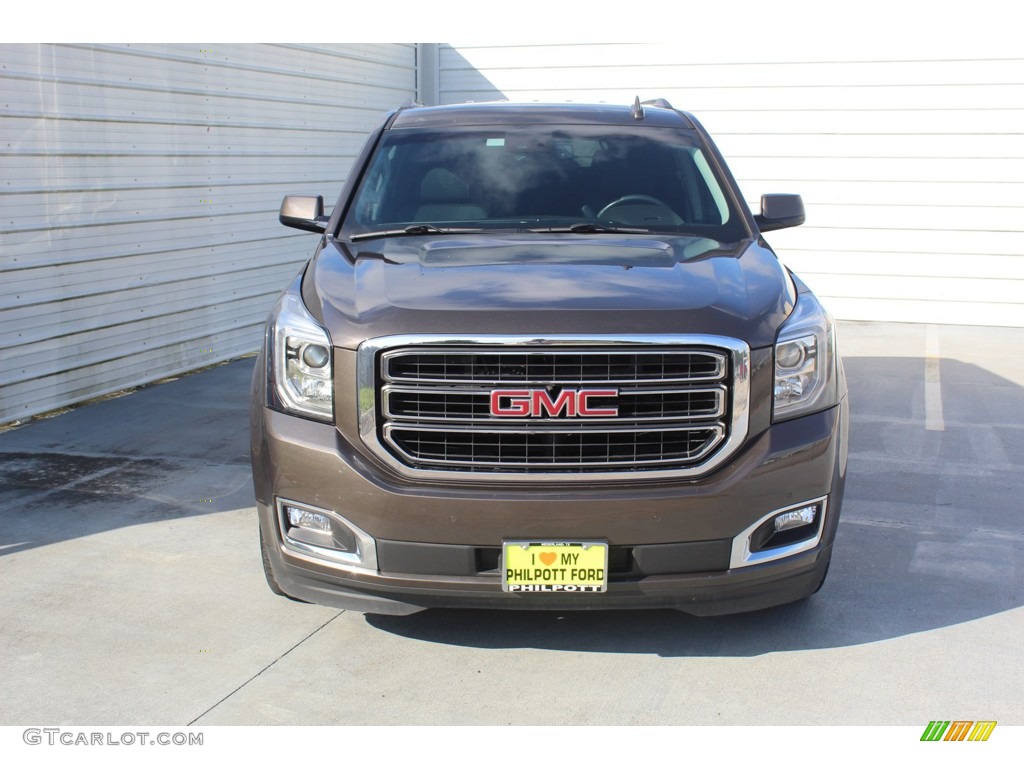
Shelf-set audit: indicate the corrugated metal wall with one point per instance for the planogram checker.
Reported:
(911, 163)
(139, 187)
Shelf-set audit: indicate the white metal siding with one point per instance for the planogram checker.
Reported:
(911, 165)
(139, 187)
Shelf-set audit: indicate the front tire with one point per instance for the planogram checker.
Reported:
(823, 577)
(269, 574)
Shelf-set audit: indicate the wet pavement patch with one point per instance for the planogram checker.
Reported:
(89, 474)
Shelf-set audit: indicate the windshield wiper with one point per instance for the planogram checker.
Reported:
(416, 229)
(586, 227)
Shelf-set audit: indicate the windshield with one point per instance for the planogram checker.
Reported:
(579, 178)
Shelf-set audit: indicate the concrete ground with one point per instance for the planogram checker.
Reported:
(132, 591)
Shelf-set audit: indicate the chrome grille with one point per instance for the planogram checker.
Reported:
(681, 406)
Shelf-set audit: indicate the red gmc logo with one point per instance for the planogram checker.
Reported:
(537, 402)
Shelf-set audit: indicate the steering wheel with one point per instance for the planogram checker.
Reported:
(633, 200)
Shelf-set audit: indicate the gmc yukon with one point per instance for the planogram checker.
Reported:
(543, 358)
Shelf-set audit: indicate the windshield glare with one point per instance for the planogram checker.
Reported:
(656, 179)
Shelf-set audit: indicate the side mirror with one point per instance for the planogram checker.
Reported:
(303, 212)
(780, 211)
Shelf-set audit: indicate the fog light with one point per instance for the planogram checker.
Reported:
(325, 534)
(781, 533)
(305, 518)
(795, 519)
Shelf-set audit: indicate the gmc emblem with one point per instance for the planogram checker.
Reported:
(537, 402)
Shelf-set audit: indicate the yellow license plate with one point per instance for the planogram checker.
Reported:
(560, 566)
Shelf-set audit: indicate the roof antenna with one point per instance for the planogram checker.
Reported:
(637, 110)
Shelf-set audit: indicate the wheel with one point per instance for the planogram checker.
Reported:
(271, 581)
(269, 574)
(646, 201)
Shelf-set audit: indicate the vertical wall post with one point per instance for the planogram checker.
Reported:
(428, 89)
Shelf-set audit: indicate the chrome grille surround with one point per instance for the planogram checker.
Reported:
(410, 414)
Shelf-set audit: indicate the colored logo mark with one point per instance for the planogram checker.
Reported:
(958, 730)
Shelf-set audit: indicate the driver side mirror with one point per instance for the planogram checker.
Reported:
(303, 212)
(779, 211)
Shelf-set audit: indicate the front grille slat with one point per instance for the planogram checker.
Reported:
(572, 367)
(673, 408)
(550, 448)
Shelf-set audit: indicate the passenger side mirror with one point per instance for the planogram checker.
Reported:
(779, 211)
(303, 212)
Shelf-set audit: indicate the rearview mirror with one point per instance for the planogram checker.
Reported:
(303, 212)
(779, 211)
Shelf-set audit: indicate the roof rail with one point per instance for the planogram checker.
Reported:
(659, 102)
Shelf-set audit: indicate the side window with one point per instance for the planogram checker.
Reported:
(374, 187)
(711, 189)
(705, 202)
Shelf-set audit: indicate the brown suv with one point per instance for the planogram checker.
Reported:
(543, 358)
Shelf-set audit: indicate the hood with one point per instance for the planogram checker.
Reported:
(548, 284)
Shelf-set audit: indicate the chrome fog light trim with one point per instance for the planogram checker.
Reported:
(741, 554)
(359, 554)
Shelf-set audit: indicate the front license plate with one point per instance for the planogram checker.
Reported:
(561, 566)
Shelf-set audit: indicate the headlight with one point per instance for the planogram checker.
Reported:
(300, 361)
(805, 361)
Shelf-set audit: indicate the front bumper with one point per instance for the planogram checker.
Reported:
(436, 543)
